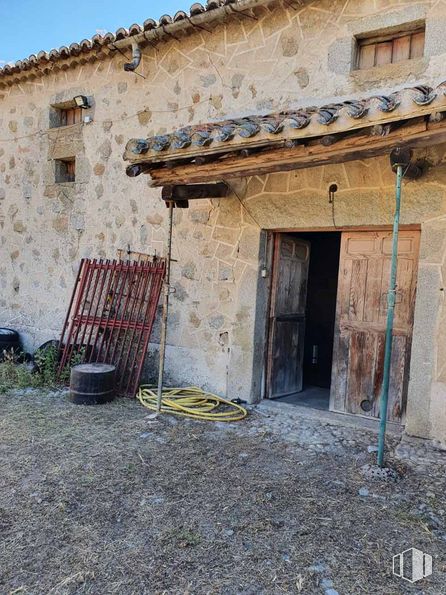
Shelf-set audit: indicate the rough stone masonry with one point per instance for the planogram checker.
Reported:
(280, 56)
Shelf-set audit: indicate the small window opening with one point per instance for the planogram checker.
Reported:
(390, 49)
(70, 116)
(65, 170)
(65, 116)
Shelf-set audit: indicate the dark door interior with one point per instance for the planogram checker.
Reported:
(321, 307)
(303, 312)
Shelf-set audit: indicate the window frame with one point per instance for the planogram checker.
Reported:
(383, 39)
(65, 170)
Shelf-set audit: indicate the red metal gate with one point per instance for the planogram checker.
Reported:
(111, 315)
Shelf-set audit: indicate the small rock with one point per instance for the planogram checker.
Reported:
(363, 492)
(326, 583)
(144, 435)
(229, 532)
(319, 567)
(372, 448)
(331, 592)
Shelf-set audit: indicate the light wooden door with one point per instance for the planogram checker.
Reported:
(287, 316)
(361, 312)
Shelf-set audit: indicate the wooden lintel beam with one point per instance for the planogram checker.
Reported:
(419, 133)
(191, 192)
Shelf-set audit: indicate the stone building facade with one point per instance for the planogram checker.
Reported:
(265, 58)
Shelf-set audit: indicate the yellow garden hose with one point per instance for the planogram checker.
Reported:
(192, 402)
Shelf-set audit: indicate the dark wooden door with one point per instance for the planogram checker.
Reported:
(287, 316)
(358, 355)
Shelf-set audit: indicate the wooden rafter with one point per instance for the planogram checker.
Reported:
(418, 132)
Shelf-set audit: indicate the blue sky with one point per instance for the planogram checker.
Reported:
(28, 26)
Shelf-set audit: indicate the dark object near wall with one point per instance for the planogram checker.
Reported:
(111, 315)
(10, 342)
(92, 384)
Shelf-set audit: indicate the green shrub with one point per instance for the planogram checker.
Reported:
(14, 374)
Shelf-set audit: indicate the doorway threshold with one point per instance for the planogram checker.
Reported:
(296, 411)
(311, 396)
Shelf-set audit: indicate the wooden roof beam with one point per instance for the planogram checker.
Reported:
(416, 133)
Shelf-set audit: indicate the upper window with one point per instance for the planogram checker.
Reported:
(68, 112)
(390, 49)
(70, 116)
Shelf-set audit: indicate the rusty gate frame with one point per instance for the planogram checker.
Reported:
(111, 315)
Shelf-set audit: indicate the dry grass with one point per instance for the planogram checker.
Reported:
(105, 500)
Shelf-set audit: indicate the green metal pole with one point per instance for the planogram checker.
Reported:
(391, 299)
(163, 341)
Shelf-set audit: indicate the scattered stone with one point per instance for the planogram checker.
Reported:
(363, 492)
(144, 117)
(99, 169)
(19, 227)
(217, 321)
(303, 77)
(319, 567)
(290, 45)
(122, 87)
(188, 270)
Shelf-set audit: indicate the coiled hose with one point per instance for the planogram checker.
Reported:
(192, 402)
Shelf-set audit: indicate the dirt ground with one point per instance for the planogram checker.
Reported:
(105, 499)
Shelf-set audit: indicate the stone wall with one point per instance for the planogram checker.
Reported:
(282, 58)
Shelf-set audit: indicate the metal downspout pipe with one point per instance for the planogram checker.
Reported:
(136, 58)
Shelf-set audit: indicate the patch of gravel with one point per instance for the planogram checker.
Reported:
(105, 500)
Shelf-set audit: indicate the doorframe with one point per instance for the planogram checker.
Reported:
(270, 247)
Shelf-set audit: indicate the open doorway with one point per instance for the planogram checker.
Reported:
(302, 317)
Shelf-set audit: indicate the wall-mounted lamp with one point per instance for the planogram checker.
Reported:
(332, 189)
(81, 101)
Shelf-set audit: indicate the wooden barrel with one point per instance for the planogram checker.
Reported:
(92, 384)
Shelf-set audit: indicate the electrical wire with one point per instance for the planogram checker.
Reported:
(243, 205)
(47, 131)
(192, 402)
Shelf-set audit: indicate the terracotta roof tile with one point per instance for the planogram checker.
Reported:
(287, 126)
(97, 40)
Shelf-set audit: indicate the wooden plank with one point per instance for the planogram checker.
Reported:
(383, 54)
(373, 290)
(287, 318)
(366, 56)
(357, 293)
(360, 371)
(420, 134)
(361, 321)
(401, 48)
(417, 45)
